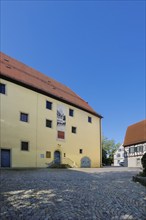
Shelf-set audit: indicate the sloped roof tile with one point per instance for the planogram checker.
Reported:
(135, 134)
(18, 72)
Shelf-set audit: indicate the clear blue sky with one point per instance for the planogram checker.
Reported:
(97, 48)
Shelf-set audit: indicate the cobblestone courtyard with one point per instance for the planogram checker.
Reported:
(74, 194)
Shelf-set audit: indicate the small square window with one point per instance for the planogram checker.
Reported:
(24, 146)
(48, 154)
(74, 130)
(48, 123)
(49, 105)
(81, 151)
(71, 112)
(89, 119)
(23, 117)
(2, 88)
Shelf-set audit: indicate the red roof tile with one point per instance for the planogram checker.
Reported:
(135, 134)
(18, 72)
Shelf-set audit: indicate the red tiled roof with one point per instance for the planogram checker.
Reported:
(135, 134)
(18, 72)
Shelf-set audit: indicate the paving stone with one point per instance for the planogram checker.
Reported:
(73, 194)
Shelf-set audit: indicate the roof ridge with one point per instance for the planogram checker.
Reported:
(144, 120)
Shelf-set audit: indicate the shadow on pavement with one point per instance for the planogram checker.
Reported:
(62, 194)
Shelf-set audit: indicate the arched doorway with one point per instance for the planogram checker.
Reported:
(57, 157)
(85, 162)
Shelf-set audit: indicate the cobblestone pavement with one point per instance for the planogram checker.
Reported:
(73, 194)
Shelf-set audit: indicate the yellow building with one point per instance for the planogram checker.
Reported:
(44, 122)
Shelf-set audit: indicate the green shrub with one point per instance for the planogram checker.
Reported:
(143, 161)
(64, 166)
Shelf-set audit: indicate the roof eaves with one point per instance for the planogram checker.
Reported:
(47, 93)
(133, 143)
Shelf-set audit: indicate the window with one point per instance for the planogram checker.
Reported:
(23, 117)
(49, 105)
(48, 123)
(48, 154)
(71, 112)
(140, 148)
(2, 88)
(89, 119)
(125, 154)
(61, 135)
(118, 155)
(24, 146)
(74, 130)
(138, 162)
(131, 150)
(64, 154)
(81, 151)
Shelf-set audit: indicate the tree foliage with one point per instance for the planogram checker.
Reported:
(104, 156)
(143, 161)
(108, 149)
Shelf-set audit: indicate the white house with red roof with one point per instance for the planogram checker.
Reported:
(119, 156)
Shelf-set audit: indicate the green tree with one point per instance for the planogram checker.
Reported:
(143, 161)
(108, 148)
(104, 156)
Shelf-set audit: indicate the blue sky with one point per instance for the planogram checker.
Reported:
(97, 48)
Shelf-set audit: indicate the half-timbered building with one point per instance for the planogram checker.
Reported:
(135, 143)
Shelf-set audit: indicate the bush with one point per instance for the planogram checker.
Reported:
(143, 161)
(64, 166)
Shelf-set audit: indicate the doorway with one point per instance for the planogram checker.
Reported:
(85, 162)
(5, 158)
(57, 157)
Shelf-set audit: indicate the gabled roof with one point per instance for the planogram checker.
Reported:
(28, 77)
(135, 134)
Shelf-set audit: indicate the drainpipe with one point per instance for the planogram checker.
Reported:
(100, 143)
(36, 128)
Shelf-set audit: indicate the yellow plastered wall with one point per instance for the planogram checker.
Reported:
(41, 139)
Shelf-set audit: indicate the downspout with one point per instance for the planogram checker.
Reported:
(100, 144)
(36, 127)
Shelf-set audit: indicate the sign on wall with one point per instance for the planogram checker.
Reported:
(61, 121)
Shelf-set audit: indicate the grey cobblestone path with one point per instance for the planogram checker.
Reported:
(74, 194)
